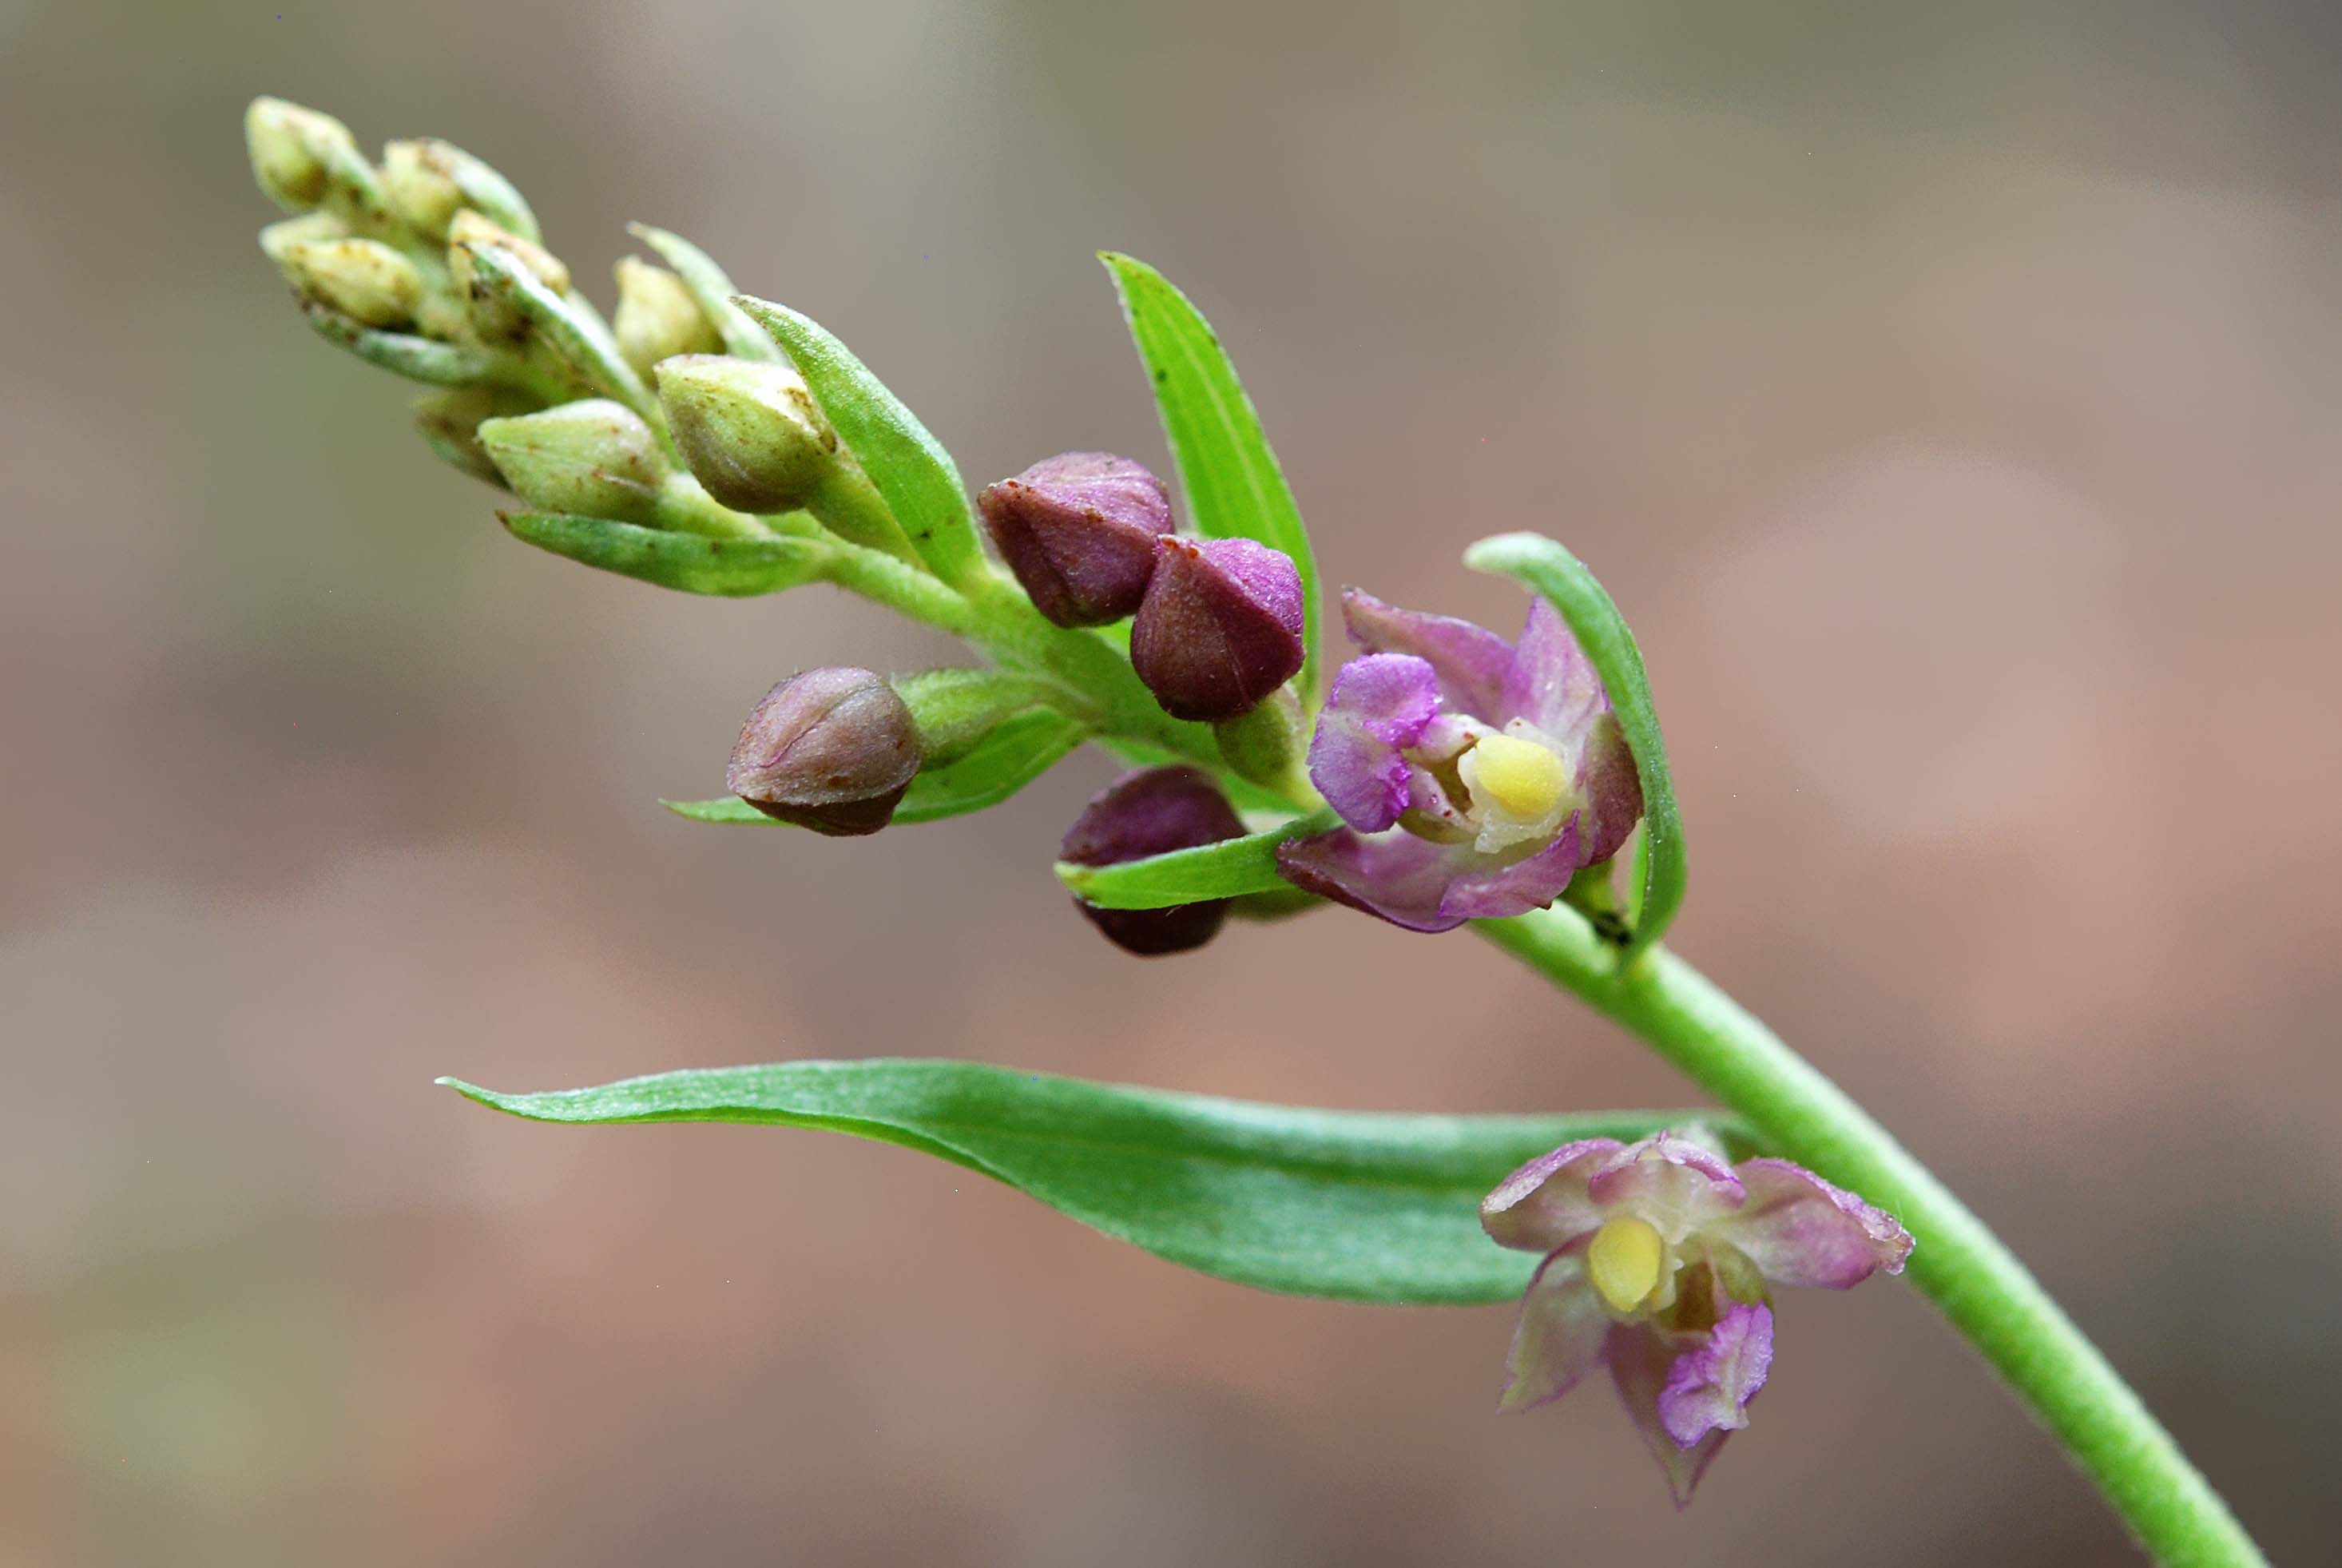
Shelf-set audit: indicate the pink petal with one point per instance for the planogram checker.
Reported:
(1798, 1230)
(1544, 1204)
(1471, 661)
(1611, 788)
(1709, 1386)
(1378, 705)
(1561, 1336)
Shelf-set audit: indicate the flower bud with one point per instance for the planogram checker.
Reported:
(751, 433)
(450, 419)
(1220, 627)
(493, 316)
(366, 280)
(295, 152)
(656, 316)
(281, 238)
(1080, 532)
(1153, 811)
(429, 181)
(596, 458)
(831, 749)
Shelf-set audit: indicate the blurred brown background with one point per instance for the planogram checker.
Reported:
(1949, 393)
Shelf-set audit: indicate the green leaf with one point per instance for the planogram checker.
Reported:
(1547, 568)
(912, 473)
(733, 568)
(1234, 486)
(1352, 1206)
(743, 338)
(1228, 869)
(1018, 751)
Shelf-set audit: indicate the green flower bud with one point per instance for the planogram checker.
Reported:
(278, 240)
(366, 280)
(449, 421)
(751, 433)
(493, 317)
(295, 151)
(595, 458)
(429, 181)
(657, 318)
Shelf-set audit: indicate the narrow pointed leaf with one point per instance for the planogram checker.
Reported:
(1352, 1206)
(912, 473)
(1547, 568)
(1018, 751)
(1234, 486)
(1229, 869)
(731, 568)
(712, 292)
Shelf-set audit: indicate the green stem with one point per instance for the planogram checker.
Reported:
(1973, 1279)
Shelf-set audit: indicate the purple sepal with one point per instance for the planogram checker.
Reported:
(1220, 627)
(1551, 683)
(1471, 661)
(1799, 1230)
(1560, 1335)
(1079, 531)
(1711, 1385)
(1153, 811)
(1379, 705)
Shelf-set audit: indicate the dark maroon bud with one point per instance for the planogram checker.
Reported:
(1220, 627)
(831, 749)
(1080, 532)
(1153, 811)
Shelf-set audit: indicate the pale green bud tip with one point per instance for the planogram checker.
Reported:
(751, 432)
(595, 458)
(429, 181)
(468, 228)
(366, 280)
(294, 151)
(657, 318)
(279, 239)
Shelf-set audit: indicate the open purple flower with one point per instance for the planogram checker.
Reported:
(1476, 776)
(1659, 1260)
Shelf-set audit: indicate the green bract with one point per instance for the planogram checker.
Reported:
(1353, 1206)
(1545, 567)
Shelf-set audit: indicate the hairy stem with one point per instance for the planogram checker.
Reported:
(1973, 1279)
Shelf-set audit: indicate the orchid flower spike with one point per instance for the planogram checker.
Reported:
(1476, 776)
(1659, 1260)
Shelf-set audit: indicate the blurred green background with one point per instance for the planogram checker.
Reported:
(1949, 393)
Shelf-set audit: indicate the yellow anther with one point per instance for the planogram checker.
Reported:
(1521, 776)
(1624, 1261)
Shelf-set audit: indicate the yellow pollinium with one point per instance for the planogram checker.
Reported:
(1624, 1262)
(1522, 776)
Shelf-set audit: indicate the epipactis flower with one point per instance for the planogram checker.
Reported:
(1659, 1263)
(1476, 776)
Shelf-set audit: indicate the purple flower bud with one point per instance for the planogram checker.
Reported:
(1220, 628)
(1153, 811)
(831, 749)
(1080, 532)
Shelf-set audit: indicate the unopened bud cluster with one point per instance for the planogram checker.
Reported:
(1088, 534)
